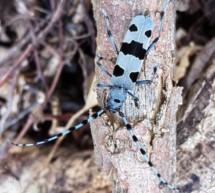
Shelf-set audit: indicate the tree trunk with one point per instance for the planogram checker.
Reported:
(154, 123)
(196, 128)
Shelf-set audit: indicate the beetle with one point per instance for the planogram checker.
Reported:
(134, 49)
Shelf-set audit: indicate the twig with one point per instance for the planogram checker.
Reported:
(17, 64)
(56, 16)
(16, 50)
(36, 56)
(21, 115)
(9, 102)
(26, 127)
(39, 38)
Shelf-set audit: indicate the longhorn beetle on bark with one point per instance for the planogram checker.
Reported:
(134, 49)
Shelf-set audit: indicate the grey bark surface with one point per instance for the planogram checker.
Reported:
(154, 123)
(196, 128)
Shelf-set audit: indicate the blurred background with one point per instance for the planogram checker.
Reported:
(47, 51)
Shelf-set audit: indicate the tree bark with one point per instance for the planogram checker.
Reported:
(154, 123)
(196, 128)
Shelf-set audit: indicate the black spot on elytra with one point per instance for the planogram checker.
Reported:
(148, 33)
(116, 100)
(134, 48)
(118, 71)
(133, 28)
(133, 76)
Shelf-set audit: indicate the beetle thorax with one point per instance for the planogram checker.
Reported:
(116, 98)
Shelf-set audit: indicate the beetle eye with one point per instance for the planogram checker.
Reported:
(116, 100)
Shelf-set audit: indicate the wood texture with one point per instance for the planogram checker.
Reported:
(196, 127)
